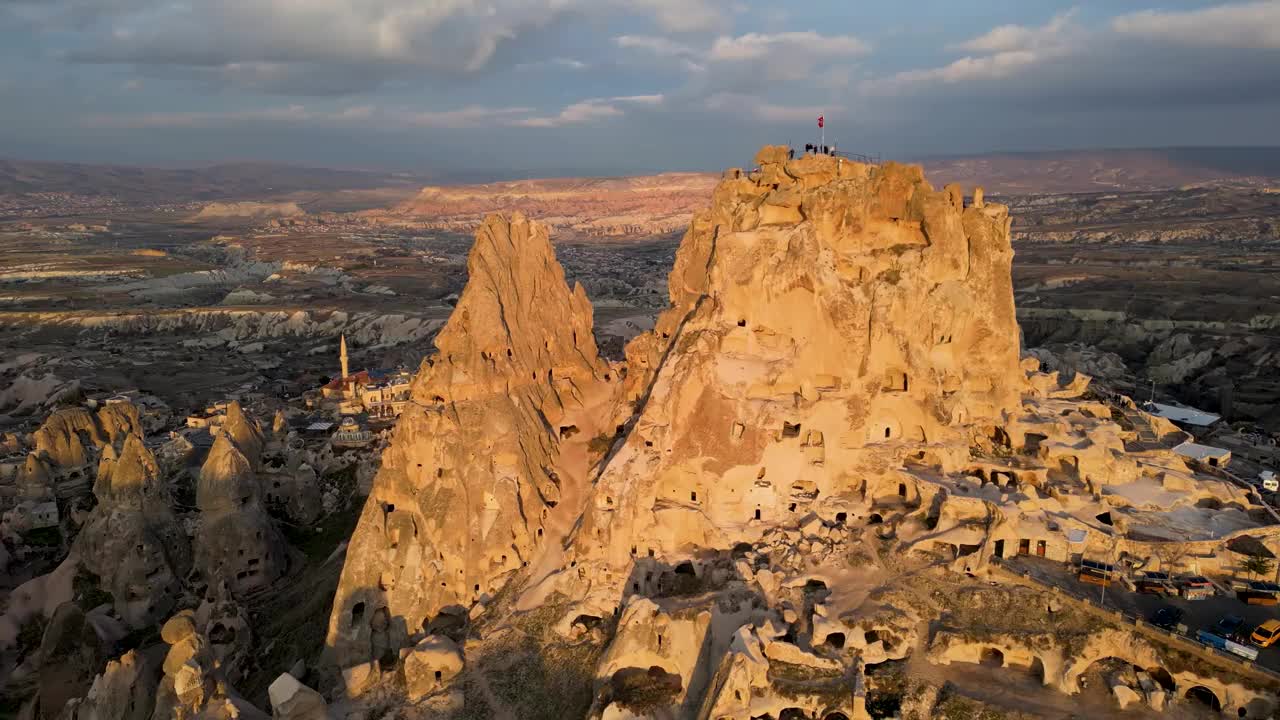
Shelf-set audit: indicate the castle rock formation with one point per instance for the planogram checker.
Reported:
(827, 318)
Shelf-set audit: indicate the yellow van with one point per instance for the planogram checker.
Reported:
(1266, 633)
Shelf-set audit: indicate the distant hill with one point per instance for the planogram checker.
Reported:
(1000, 173)
(217, 182)
(574, 207)
(1074, 171)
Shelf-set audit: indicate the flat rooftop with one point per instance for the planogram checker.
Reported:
(1179, 414)
(1196, 451)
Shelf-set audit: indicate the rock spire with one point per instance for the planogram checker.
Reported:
(489, 461)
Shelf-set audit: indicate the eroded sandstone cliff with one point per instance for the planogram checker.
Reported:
(826, 317)
(489, 462)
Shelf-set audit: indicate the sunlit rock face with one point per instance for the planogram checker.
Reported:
(827, 318)
(492, 443)
(237, 542)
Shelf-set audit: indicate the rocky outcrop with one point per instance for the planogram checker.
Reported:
(237, 542)
(488, 464)
(132, 539)
(125, 690)
(194, 684)
(251, 210)
(827, 318)
(70, 438)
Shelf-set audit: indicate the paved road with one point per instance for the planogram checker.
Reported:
(1197, 615)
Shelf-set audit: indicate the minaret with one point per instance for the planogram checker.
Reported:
(343, 355)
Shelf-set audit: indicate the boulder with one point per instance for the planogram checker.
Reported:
(359, 678)
(291, 700)
(430, 665)
(1126, 696)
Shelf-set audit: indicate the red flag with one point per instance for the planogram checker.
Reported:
(819, 121)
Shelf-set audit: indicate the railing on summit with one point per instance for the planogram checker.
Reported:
(859, 157)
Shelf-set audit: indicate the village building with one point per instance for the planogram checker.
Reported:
(350, 435)
(379, 394)
(1212, 456)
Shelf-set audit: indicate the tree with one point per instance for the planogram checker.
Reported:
(1255, 565)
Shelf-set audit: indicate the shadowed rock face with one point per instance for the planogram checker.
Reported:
(237, 541)
(476, 462)
(825, 315)
(132, 540)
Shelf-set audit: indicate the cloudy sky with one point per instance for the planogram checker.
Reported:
(604, 86)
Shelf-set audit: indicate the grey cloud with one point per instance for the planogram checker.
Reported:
(1063, 66)
(1251, 25)
(332, 46)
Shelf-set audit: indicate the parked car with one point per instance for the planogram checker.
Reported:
(1229, 625)
(1266, 633)
(1167, 617)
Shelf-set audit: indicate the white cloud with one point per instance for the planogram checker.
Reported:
(575, 114)
(1011, 38)
(561, 63)
(470, 116)
(1252, 25)
(588, 111)
(998, 54)
(664, 48)
(756, 46)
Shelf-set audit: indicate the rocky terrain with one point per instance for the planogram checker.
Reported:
(574, 208)
(1114, 170)
(816, 473)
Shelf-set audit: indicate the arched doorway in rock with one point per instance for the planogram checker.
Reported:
(1204, 696)
(793, 714)
(837, 715)
(1037, 669)
(835, 640)
(991, 657)
(875, 519)
(1163, 678)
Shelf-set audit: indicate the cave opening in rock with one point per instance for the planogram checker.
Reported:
(1204, 696)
